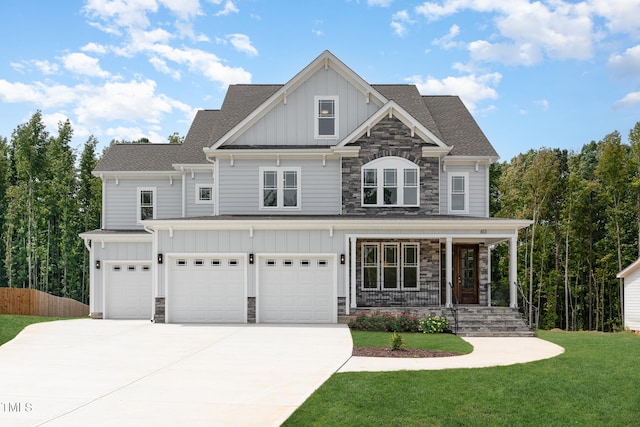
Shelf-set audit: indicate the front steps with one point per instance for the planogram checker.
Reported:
(473, 320)
(478, 321)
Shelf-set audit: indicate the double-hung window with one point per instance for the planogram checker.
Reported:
(326, 117)
(390, 266)
(459, 192)
(146, 206)
(390, 181)
(280, 188)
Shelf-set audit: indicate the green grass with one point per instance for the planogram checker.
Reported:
(440, 342)
(11, 325)
(594, 383)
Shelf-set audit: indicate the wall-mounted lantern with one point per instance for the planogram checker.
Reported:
(251, 259)
(342, 259)
(98, 265)
(160, 259)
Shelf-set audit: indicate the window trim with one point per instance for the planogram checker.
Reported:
(199, 201)
(316, 116)
(381, 165)
(280, 187)
(154, 204)
(465, 176)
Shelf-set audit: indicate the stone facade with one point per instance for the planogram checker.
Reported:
(251, 310)
(390, 137)
(159, 317)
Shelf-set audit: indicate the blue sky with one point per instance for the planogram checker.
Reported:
(549, 73)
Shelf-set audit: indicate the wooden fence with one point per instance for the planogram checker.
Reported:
(36, 303)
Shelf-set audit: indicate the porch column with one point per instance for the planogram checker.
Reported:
(513, 272)
(352, 265)
(449, 269)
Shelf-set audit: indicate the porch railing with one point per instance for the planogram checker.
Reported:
(454, 309)
(421, 294)
(529, 311)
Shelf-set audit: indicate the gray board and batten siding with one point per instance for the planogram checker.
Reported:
(292, 123)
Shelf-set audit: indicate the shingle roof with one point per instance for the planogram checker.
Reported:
(458, 127)
(445, 116)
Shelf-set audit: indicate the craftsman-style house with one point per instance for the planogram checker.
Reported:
(299, 202)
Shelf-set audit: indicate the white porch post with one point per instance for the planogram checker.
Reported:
(449, 269)
(513, 271)
(489, 249)
(352, 263)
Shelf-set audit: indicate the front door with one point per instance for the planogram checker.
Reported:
(465, 273)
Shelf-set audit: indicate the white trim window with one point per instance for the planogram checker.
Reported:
(280, 188)
(326, 117)
(204, 194)
(390, 181)
(390, 266)
(146, 204)
(459, 192)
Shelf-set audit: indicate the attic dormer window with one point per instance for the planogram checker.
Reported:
(326, 113)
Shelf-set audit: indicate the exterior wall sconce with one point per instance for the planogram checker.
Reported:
(160, 259)
(342, 260)
(98, 265)
(251, 259)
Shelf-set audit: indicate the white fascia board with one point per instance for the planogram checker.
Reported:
(135, 174)
(468, 160)
(97, 236)
(479, 226)
(326, 59)
(189, 166)
(392, 108)
(630, 269)
(271, 153)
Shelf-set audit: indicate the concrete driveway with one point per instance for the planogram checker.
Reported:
(135, 373)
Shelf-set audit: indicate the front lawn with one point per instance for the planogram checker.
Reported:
(439, 342)
(595, 382)
(11, 325)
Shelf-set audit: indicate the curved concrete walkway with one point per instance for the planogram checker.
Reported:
(486, 352)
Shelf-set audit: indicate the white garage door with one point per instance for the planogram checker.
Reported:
(206, 289)
(128, 291)
(296, 290)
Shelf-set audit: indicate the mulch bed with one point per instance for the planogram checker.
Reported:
(409, 352)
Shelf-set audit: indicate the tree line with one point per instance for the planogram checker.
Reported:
(585, 208)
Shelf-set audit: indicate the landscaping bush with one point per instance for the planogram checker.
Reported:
(385, 322)
(434, 324)
(396, 342)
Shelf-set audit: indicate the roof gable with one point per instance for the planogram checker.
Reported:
(325, 61)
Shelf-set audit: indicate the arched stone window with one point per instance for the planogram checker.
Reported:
(391, 181)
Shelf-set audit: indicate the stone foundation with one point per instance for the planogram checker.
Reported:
(159, 316)
(95, 315)
(251, 310)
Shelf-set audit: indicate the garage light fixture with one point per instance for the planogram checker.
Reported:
(98, 265)
(342, 260)
(160, 259)
(251, 259)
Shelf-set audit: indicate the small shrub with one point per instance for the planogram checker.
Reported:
(396, 342)
(434, 324)
(385, 322)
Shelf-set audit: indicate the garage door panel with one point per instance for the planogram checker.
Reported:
(128, 291)
(211, 292)
(296, 290)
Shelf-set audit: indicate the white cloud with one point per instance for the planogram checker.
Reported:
(542, 103)
(559, 29)
(94, 48)
(381, 3)
(46, 67)
(82, 64)
(229, 7)
(626, 64)
(472, 89)
(630, 100)
(400, 21)
(162, 67)
(447, 41)
(119, 13)
(620, 16)
(242, 43)
(38, 93)
(512, 54)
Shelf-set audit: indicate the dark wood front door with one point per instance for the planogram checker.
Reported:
(465, 273)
